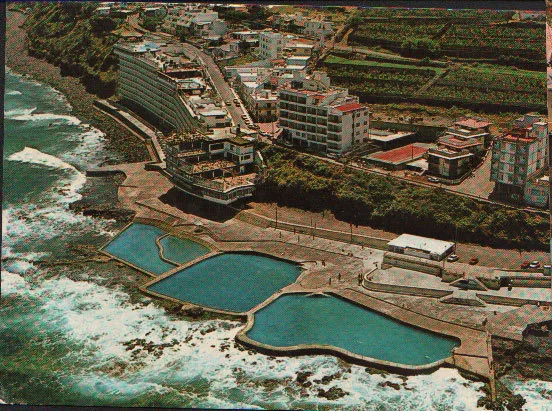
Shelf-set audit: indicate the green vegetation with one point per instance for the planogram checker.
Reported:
(481, 86)
(357, 197)
(453, 33)
(255, 17)
(70, 36)
(238, 61)
(492, 84)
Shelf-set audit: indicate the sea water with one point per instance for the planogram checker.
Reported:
(65, 334)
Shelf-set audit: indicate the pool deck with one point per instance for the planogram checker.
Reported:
(329, 266)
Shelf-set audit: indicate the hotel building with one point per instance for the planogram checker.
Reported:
(319, 117)
(155, 82)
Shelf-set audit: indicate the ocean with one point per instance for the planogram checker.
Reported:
(74, 334)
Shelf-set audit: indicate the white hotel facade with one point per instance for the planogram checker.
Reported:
(319, 117)
(142, 82)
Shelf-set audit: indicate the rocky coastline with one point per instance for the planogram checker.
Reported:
(126, 146)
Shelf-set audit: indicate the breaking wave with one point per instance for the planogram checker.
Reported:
(13, 93)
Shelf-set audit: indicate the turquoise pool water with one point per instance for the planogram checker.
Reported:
(297, 319)
(232, 281)
(137, 246)
(182, 250)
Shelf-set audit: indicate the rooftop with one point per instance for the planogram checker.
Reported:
(473, 123)
(345, 108)
(421, 243)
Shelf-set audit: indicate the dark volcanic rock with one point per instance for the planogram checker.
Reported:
(332, 394)
(194, 312)
(393, 385)
(302, 377)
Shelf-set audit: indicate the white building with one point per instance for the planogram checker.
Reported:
(422, 247)
(155, 82)
(316, 116)
(318, 28)
(270, 45)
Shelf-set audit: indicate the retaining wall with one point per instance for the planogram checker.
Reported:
(397, 260)
(342, 236)
(401, 289)
(535, 282)
(496, 299)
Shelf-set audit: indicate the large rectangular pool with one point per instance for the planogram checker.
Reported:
(232, 282)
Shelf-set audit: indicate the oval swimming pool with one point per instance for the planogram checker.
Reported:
(232, 281)
(295, 319)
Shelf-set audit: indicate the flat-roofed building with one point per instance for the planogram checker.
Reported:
(447, 163)
(319, 117)
(519, 155)
(472, 134)
(422, 247)
(221, 170)
(153, 80)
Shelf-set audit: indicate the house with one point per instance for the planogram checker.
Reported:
(447, 163)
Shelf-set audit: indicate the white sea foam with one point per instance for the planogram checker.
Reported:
(68, 191)
(102, 319)
(11, 114)
(13, 93)
(47, 116)
(538, 394)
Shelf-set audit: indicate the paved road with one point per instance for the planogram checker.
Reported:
(480, 184)
(223, 88)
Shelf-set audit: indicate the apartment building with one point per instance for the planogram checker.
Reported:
(270, 45)
(154, 79)
(519, 155)
(319, 117)
(318, 28)
(197, 21)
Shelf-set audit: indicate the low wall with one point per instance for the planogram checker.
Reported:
(400, 261)
(401, 289)
(496, 299)
(535, 282)
(342, 236)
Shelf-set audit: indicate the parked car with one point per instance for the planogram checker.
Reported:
(474, 261)
(227, 102)
(525, 264)
(452, 258)
(433, 179)
(244, 116)
(332, 155)
(534, 264)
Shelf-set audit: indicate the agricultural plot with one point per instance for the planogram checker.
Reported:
(491, 85)
(527, 40)
(457, 34)
(378, 78)
(387, 34)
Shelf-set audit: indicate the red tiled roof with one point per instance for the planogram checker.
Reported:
(472, 123)
(514, 138)
(401, 154)
(349, 107)
(268, 127)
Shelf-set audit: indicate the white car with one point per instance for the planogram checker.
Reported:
(534, 264)
(433, 179)
(452, 258)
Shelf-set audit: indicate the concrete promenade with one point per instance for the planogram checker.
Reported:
(329, 265)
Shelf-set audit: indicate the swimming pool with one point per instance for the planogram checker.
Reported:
(295, 319)
(137, 246)
(232, 281)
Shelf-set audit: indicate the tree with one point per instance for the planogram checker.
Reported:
(419, 47)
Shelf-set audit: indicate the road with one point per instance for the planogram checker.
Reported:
(222, 87)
